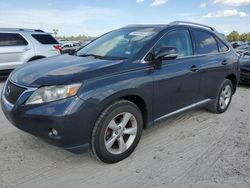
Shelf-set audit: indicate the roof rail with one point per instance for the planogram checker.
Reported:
(21, 29)
(192, 23)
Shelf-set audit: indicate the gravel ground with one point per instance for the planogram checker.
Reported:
(195, 149)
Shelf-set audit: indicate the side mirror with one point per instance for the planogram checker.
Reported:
(167, 53)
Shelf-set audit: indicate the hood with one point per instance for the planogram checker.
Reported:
(63, 69)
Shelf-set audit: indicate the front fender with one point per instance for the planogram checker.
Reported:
(102, 92)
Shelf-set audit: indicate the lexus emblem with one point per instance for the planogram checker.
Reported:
(8, 90)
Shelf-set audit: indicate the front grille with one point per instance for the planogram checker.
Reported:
(13, 92)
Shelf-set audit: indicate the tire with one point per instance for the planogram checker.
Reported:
(217, 106)
(111, 143)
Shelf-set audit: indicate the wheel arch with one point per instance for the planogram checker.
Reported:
(141, 102)
(233, 79)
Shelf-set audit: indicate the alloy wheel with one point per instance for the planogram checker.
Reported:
(120, 133)
(225, 97)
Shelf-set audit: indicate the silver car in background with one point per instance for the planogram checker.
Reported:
(18, 46)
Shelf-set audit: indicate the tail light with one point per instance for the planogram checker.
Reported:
(58, 47)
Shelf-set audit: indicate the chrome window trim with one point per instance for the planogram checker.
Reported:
(199, 55)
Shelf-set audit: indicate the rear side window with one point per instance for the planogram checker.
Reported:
(45, 39)
(12, 39)
(222, 46)
(205, 43)
(179, 39)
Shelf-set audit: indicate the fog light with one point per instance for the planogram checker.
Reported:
(53, 132)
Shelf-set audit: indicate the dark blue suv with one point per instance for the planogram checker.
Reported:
(103, 96)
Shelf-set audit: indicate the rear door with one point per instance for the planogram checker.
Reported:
(213, 59)
(176, 83)
(13, 50)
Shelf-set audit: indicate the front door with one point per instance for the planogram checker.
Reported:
(176, 83)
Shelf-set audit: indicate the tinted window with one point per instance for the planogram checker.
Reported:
(179, 39)
(205, 43)
(122, 43)
(222, 46)
(45, 39)
(12, 39)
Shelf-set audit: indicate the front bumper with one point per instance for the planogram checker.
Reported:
(72, 118)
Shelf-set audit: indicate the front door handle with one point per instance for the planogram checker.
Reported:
(194, 68)
(224, 62)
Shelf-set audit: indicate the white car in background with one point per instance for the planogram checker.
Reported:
(18, 46)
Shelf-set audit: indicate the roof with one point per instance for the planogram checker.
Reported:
(162, 26)
(146, 26)
(21, 29)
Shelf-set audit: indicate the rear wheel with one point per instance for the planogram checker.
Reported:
(223, 99)
(117, 131)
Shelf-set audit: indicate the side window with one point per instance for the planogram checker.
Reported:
(179, 39)
(222, 46)
(12, 39)
(205, 43)
(45, 39)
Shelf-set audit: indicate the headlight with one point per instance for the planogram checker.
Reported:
(53, 93)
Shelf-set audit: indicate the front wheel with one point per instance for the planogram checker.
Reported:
(117, 131)
(223, 99)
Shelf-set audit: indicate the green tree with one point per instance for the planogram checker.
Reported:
(248, 36)
(233, 36)
(244, 37)
(77, 38)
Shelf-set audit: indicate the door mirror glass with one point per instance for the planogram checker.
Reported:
(167, 53)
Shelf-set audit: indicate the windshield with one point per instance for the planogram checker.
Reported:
(118, 44)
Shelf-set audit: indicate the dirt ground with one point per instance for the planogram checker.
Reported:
(195, 149)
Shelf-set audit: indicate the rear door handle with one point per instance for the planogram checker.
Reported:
(224, 62)
(194, 68)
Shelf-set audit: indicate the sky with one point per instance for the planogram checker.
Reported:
(95, 17)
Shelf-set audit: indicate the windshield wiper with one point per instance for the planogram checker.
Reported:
(103, 57)
(94, 55)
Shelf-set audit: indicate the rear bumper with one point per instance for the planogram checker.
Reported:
(70, 117)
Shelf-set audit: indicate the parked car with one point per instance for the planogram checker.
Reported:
(67, 47)
(19, 46)
(245, 68)
(62, 41)
(71, 49)
(236, 44)
(126, 80)
(243, 49)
